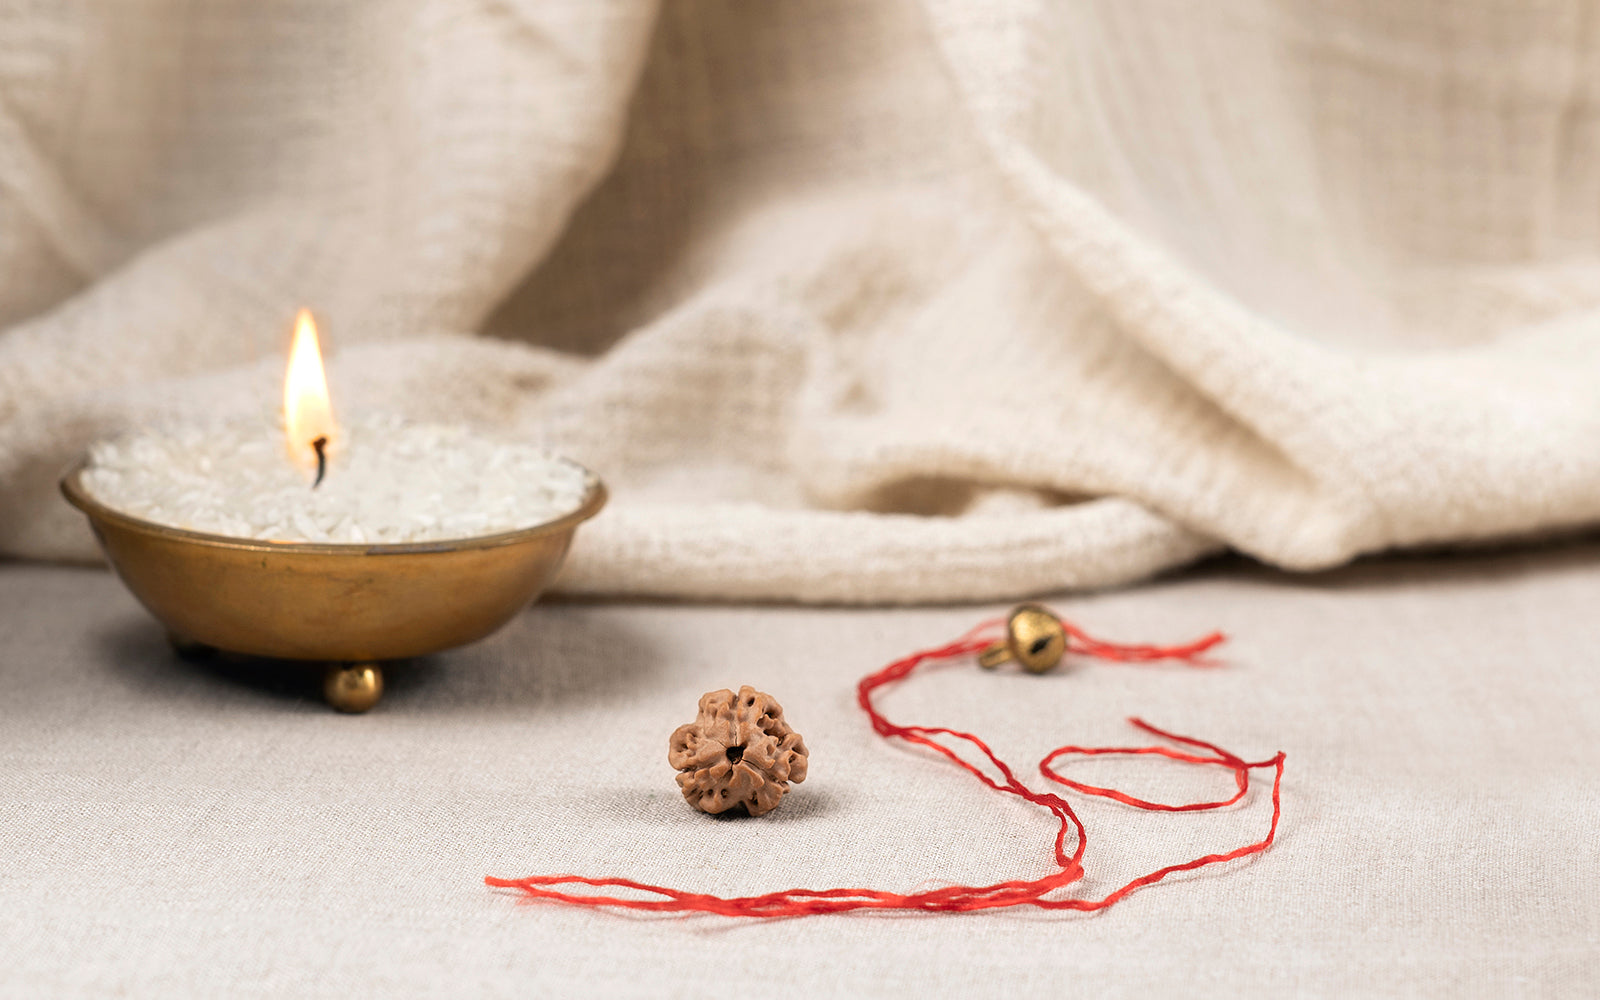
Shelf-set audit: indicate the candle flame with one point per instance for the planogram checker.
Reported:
(307, 413)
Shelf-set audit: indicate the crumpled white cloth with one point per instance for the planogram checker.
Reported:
(846, 300)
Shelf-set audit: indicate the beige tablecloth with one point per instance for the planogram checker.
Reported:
(168, 830)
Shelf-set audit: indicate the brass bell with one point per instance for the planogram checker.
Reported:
(1034, 638)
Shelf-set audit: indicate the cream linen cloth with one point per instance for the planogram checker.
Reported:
(848, 301)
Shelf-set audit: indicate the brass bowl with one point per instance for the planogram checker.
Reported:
(343, 604)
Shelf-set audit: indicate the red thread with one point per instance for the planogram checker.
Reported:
(966, 898)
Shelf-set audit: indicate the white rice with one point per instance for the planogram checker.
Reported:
(387, 481)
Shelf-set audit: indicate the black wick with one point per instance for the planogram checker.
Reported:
(319, 446)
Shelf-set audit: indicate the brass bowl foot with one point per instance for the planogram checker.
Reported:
(353, 687)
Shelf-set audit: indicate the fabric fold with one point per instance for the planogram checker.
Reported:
(846, 301)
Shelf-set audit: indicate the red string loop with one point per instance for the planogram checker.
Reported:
(1086, 644)
(965, 898)
(1219, 758)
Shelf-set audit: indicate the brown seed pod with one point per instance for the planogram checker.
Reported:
(738, 753)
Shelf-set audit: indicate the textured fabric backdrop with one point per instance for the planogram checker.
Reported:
(847, 300)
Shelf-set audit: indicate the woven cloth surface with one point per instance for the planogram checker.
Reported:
(848, 301)
(171, 830)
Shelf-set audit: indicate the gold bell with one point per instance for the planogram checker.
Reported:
(1034, 638)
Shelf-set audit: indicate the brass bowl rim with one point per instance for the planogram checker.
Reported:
(72, 488)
